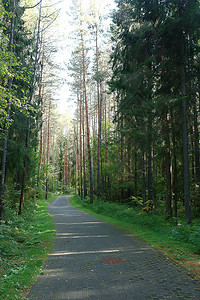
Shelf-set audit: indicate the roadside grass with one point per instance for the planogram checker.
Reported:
(179, 242)
(25, 242)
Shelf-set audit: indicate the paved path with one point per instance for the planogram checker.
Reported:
(95, 260)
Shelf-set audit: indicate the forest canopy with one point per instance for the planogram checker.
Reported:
(134, 137)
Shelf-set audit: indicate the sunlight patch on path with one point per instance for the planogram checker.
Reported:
(83, 252)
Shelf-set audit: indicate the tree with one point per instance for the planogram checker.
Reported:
(151, 78)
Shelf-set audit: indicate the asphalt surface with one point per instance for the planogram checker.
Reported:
(95, 260)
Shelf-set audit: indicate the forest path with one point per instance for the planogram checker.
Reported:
(95, 260)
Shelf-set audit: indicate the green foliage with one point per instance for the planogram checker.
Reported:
(138, 201)
(14, 72)
(147, 82)
(132, 215)
(25, 242)
(180, 242)
(188, 234)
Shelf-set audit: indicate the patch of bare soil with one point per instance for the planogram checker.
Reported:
(193, 267)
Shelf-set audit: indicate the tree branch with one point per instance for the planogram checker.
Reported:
(27, 7)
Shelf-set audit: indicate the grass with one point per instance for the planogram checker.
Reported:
(25, 242)
(179, 242)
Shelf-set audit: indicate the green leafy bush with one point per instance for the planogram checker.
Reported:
(188, 234)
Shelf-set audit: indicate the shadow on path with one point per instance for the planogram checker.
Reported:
(94, 260)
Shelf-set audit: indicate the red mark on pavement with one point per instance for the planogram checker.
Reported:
(111, 260)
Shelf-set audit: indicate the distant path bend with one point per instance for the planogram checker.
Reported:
(95, 260)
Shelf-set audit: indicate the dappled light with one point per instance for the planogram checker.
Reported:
(104, 262)
(71, 236)
(99, 125)
(57, 253)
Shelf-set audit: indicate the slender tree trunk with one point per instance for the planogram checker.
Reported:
(44, 143)
(77, 153)
(21, 202)
(100, 136)
(99, 116)
(175, 175)
(121, 155)
(80, 152)
(53, 163)
(29, 120)
(87, 120)
(167, 165)
(129, 168)
(192, 156)
(76, 150)
(57, 166)
(185, 136)
(150, 165)
(84, 170)
(48, 146)
(40, 97)
(143, 177)
(106, 151)
(64, 166)
(196, 142)
(135, 175)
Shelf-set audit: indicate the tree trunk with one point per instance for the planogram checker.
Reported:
(167, 165)
(174, 165)
(99, 116)
(48, 146)
(106, 151)
(84, 170)
(87, 119)
(100, 145)
(80, 152)
(135, 175)
(185, 136)
(5, 143)
(21, 202)
(196, 142)
(192, 156)
(29, 120)
(64, 166)
(53, 163)
(143, 177)
(129, 168)
(150, 167)
(76, 149)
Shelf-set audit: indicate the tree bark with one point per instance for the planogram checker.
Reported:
(84, 169)
(106, 151)
(48, 146)
(100, 137)
(175, 174)
(99, 116)
(167, 165)
(87, 118)
(150, 166)
(80, 145)
(196, 142)
(185, 136)
(143, 177)
(135, 174)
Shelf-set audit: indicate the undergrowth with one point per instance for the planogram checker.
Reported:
(25, 242)
(178, 240)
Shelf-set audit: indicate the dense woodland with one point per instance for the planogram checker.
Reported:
(134, 138)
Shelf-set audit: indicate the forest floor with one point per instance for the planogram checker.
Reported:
(179, 242)
(92, 259)
(25, 242)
